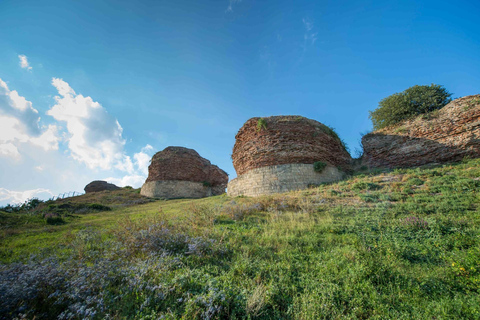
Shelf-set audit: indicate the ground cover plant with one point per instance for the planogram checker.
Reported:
(401, 244)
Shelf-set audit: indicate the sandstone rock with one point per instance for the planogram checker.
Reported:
(287, 140)
(99, 185)
(178, 172)
(447, 135)
(276, 154)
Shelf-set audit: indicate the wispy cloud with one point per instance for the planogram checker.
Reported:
(267, 57)
(24, 62)
(231, 3)
(309, 37)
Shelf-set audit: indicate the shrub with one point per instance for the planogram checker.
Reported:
(360, 186)
(261, 124)
(319, 166)
(207, 184)
(52, 218)
(409, 103)
(98, 207)
(28, 205)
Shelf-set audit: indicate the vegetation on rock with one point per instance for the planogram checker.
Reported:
(409, 103)
(319, 166)
(261, 124)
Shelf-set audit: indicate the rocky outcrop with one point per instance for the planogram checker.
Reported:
(449, 134)
(99, 185)
(276, 154)
(178, 172)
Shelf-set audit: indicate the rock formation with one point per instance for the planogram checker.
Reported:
(449, 134)
(99, 185)
(178, 172)
(276, 154)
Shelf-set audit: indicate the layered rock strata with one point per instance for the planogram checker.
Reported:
(276, 154)
(99, 185)
(178, 172)
(447, 135)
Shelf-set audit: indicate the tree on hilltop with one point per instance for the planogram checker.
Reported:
(409, 103)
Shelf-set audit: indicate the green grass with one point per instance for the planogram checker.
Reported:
(402, 244)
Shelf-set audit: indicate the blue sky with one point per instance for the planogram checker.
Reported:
(91, 89)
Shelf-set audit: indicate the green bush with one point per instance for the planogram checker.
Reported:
(319, 166)
(261, 124)
(98, 207)
(361, 186)
(409, 103)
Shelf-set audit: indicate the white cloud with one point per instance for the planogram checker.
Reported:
(24, 62)
(231, 3)
(93, 140)
(9, 150)
(135, 180)
(139, 173)
(142, 159)
(94, 136)
(15, 197)
(19, 123)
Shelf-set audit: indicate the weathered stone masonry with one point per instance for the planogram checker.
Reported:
(281, 178)
(447, 135)
(178, 172)
(276, 154)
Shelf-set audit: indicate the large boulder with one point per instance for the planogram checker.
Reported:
(276, 154)
(99, 185)
(178, 172)
(447, 135)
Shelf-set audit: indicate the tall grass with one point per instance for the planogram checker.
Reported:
(394, 245)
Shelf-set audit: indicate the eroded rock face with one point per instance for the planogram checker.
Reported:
(178, 172)
(286, 140)
(99, 185)
(447, 135)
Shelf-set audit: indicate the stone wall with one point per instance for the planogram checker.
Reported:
(277, 140)
(179, 163)
(173, 189)
(281, 178)
(447, 135)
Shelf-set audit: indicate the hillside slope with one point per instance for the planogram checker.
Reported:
(402, 244)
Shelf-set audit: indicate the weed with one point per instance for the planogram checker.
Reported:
(261, 124)
(319, 166)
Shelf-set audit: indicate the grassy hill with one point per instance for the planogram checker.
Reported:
(402, 244)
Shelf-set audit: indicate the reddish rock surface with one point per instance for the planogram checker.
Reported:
(99, 185)
(179, 163)
(286, 140)
(447, 135)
